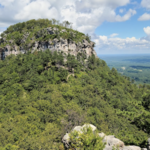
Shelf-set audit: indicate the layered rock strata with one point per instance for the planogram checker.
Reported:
(67, 46)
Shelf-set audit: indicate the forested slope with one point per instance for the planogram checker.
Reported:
(38, 105)
(43, 95)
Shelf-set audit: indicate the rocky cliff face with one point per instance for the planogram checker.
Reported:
(67, 46)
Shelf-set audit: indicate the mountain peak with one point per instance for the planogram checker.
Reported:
(31, 36)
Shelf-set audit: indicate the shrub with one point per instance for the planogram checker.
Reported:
(86, 140)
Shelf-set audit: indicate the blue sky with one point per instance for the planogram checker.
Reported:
(129, 28)
(116, 26)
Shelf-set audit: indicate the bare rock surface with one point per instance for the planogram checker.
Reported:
(112, 143)
(67, 46)
(148, 144)
(66, 139)
(131, 148)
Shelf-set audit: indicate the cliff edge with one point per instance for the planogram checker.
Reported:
(31, 36)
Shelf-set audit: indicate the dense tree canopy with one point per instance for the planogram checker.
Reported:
(42, 97)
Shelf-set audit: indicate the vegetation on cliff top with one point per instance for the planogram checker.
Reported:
(26, 33)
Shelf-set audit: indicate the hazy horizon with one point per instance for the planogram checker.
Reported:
(125, 54)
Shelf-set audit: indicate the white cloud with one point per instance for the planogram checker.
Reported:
(146, 3)
(121, 10)
(144, 17)
(114, 34)
(37, 9)
(104, 39)
(127, 16)
(84, 4)
(114, 44)
(147, 30)
(86, 15)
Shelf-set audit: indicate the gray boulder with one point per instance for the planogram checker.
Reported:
(111, 141)
(148, 144)
(66, 140)
(89, 125)
(78, 129)
(143, 148)
(132, 148)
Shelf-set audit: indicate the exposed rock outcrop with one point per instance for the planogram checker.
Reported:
(148, 144)
(110, 140)
(67, 46)
(131, 148)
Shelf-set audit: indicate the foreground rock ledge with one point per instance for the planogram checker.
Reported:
(110, 140)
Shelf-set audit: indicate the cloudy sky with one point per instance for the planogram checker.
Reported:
(117, 26)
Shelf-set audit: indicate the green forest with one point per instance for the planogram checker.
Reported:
(43, 96)
(38, 105)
